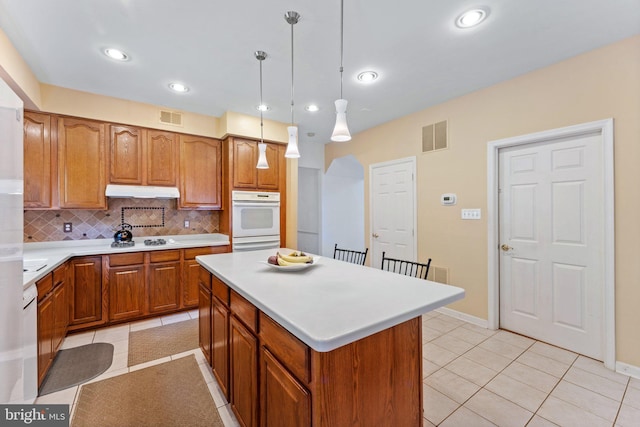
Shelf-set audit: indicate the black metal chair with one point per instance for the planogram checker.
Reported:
(408, 268)
(348, 255)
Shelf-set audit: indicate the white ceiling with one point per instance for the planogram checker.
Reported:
(422, 58)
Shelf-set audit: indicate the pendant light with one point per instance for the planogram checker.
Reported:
(262, 147)
(341, 131)
(292, 147)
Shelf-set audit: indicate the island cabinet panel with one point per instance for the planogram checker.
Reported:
(245, 311)
(369, 385)
(126, 292)
(61, 306)
(39, 153)
(164, 287)
(45, 335)
(88, 302)
(125, 160)
(81, 163)
(220, 345)
(200, 173)
(204, 320)
(284, 402)
(293, 353)
(161, 158)
(244, 373)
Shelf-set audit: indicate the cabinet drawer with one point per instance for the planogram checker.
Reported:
(194, 252)
(220, 290)
(44, 285)
(293, 353)
(244, 311)
(59, 274)
(126, 259)
(163, 256)
(204, 277)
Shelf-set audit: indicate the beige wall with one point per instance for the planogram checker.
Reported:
(597, 85)
(17, 74)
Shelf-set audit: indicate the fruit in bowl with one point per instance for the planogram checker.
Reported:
(294, 258)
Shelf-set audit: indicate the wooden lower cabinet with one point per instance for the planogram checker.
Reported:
(164, 287)
(244, 373)
(46, 318)
(284, 402)
(220, 345)
(87, 299)
(191, 269)
(61, 315)
(204, 321)
(126, 292)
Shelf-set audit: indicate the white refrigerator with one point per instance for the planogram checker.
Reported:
(11, 232)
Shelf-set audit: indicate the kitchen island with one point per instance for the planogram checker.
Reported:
(336, 344)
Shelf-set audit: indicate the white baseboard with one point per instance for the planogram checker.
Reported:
(626, 369)
(464, 316)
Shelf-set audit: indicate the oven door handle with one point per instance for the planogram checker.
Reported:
(256, 204)
(256, 245)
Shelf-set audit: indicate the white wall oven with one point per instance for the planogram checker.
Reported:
(256, 220)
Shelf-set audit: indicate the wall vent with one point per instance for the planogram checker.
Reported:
(434, 137)
(438, 274)
(171, 118)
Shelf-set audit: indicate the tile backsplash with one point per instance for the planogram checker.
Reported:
(148, 218)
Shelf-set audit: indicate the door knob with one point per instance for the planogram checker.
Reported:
(375, 235)
(505, 247)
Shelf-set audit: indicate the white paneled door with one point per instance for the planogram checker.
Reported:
(393, 214)
(552, 242)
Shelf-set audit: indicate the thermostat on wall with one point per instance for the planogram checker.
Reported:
(448, 199)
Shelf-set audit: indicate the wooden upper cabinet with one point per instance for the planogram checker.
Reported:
(38, 155)
(245, 173)
(200, 173)
(126, 155)
(81, 163)
(162, 155)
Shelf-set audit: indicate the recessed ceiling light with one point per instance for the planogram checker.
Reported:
(472, 17)
(263, 107)
(312, 107)
(178, 87)
(116, 54)
(367, 76)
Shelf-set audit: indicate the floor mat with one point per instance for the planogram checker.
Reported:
(77, 365)
(162, 341)
(170, 394)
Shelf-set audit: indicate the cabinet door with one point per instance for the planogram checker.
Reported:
(220, 345)
(164, 287)
(204, 321)
(284, 402)
(85, 278)
(126, 292)
(38, 181)
(162, 154)
(81, 164)
(45, 335)
(245, 158)
(125, 155)
(268, 178)
(244, 373)
(190, 283)
(200, 173)
(61, 315)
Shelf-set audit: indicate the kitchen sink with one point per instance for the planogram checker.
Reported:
(33, 265)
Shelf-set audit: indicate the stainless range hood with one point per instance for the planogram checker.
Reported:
(142, 192)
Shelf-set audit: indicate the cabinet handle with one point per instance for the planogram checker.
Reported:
(375, 235)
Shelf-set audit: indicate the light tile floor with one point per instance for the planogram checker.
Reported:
(472, 377)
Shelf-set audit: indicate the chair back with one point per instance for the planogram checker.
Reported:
(408, 268)
(348, 255)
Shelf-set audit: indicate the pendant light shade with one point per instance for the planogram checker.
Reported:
(262, 147)
(292, 147)
(262, 156)
(341, 130)
(292, 152)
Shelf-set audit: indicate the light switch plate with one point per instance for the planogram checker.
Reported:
(470, 214)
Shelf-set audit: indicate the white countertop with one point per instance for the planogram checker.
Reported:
(55, 253)
(332, 303)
